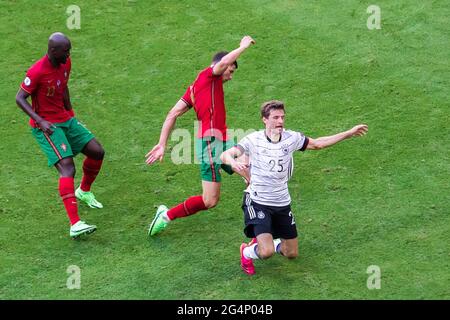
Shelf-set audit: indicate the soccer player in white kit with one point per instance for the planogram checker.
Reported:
(266, 203)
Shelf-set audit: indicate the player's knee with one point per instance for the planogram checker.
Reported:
(66, 168)
(94, 150)
(101, 153)
(70, 171)
(291, 254)
(265, 253)
(211, 202)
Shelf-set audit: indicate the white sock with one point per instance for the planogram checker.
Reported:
(277, 245)
(250, 252)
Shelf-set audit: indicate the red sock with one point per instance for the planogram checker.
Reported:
(91, 168)
(189, 207)
(67, 192)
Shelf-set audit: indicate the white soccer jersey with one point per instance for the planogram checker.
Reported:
(271, 165)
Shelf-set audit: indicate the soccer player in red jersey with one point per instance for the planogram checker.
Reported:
(60, 135)
(206, 96)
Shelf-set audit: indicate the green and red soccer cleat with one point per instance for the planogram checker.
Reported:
(88, 198)
(158, 224)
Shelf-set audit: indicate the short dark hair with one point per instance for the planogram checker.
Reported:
(268, 106)
(219, 55)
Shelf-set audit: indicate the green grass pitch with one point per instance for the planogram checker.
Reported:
(379, 200)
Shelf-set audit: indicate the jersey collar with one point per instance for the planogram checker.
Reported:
(270, 140)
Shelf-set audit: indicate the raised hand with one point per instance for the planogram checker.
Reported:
(247, 41)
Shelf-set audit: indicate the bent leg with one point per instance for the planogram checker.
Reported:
(92, 164)
(194, 204)
(211, 193)
(94, 150)
(289, 248)
(265, 248)
(66, 169)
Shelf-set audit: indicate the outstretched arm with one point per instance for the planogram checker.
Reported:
(231, 57)
(157, 153)
(323, 142)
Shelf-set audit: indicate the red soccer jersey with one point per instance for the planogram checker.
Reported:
(46, 85)
(206, 96)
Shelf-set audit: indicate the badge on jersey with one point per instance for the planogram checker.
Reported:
(27, 81)
(285, 148)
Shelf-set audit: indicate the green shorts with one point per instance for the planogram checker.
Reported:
(208, 150)
(67, 140)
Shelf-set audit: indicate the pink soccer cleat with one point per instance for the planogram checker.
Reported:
(246, 264)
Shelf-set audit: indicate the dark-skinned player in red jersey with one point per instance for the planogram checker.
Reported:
(206, 96)
(59, 134)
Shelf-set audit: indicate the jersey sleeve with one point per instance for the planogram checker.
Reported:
(245, 145)
(187, 97)
(209, 71)
(301, 141)
(31, 81)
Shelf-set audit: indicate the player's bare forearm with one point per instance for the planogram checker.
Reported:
(324, 142)
(157, 152)
(166, 129)
(21, 101)
(229, 157)
(231, 57)
(179, 109)
(66, 99)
